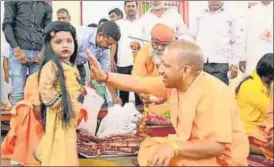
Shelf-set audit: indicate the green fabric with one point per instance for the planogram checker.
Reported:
(166, 115)
(100, 88)
(145, 6)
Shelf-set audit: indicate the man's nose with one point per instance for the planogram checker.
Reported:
(65, 45)
(160, 48)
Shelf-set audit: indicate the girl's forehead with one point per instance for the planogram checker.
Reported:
(62, 34)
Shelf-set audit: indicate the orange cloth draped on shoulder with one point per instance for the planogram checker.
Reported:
(25, 129)
(197, 114)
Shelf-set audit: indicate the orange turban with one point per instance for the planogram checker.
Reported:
(163, 33)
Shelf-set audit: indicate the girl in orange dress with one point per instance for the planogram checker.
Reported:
(26, 129)
(59, 91)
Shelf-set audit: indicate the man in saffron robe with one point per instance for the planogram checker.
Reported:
(204, 111)
(148, 59)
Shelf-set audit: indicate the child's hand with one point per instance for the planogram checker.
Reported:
(117, 100)
(7, 77)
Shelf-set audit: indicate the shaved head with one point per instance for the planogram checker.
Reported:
(181, 63)
(187, 53)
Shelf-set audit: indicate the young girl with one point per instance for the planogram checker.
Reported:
(59, 91)
(254, 98)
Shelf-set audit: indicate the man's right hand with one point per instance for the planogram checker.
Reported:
(145, 98)
(95, 68)
(113, 65)
(20, 55)
(7, 77)
(37, 58)
(135, 46)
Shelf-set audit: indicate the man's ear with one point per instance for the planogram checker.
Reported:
(100, 34)
(181, 72)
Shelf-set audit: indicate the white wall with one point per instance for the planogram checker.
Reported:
(93, 11)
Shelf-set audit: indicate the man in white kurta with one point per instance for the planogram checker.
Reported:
(128, 27)
(220, 34)
(259, 39)
(160, 14)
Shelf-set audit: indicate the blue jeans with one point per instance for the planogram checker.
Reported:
(19, 74)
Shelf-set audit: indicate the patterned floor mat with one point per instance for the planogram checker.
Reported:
(253, 160)
(258, 160)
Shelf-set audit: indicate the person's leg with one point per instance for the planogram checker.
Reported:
(87, 69)
(123, 94)
(4, 87)
(82, 72)
(138, 101)
(18, 78)
(219, 70)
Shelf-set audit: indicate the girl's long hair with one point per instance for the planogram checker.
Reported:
(265, 70)
(49, 55)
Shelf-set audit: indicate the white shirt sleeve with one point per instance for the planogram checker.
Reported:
(237, 40)
(181, 28)
(192, 32)
(139, 30)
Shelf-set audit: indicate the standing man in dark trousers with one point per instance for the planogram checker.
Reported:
(220, 35)
(24, 22)
(124, 60)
